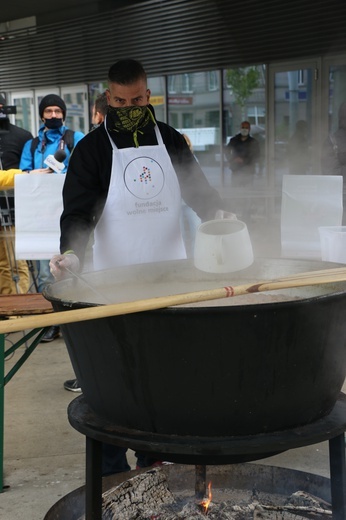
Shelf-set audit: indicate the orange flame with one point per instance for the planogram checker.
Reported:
(206, 501)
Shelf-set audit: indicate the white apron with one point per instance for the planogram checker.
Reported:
(140, 222)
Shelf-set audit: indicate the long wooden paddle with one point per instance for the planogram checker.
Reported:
(115, 309)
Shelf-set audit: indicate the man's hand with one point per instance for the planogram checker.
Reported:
(42, 170)
(221, 214)
(60, 265)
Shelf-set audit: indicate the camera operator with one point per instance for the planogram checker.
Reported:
(14, 275)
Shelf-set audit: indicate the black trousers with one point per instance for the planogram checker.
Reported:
(114, 460)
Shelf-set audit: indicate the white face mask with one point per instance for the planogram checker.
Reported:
(244, 132)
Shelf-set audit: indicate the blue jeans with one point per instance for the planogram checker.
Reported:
(44, 276)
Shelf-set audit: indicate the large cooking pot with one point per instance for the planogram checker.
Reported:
(274, 363)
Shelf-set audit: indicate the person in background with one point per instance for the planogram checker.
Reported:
(103, 191)
(333, 160)
(98, 114)
(99, 110)
(53, 135)
(14, 274)
(243, 151)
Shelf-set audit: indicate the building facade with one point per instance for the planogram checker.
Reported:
(194, 52)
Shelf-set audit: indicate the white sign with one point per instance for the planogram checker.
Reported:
(38, 207)
(308, 202)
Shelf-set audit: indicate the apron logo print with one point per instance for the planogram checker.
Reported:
(145, 176)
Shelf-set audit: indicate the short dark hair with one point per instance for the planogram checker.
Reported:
(101, 103)
(126, 72)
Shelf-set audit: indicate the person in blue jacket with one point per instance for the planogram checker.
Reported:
(53, 135)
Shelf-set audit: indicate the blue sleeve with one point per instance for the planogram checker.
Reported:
(26, 160)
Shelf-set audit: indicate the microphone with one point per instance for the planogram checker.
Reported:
(56, 162)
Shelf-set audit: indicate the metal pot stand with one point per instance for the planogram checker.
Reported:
(207, 450)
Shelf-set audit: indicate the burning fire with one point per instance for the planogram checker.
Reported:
(206, 501)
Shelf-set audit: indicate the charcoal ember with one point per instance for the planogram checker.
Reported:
(276, 515)
(302, 498)
(134, 498)
(287, 515)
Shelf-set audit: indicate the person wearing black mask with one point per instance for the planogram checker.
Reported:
(52, 136)
(243, 151)
(125, 182)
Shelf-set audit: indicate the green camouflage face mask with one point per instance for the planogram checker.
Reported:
(129, 119)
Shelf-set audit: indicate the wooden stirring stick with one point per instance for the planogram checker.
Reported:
(115, 309)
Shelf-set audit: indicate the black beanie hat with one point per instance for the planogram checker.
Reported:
(52, 100)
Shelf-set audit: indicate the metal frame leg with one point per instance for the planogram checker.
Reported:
(93, 480)
(338, 476)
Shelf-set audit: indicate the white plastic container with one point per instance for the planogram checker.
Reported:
(333, 243)
(223, 246)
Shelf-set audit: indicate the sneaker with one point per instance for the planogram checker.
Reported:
(51, 334)
(72, 385)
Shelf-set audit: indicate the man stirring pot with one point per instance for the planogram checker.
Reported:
(126, 181)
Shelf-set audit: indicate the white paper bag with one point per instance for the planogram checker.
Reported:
(308, 202)
(38, 207)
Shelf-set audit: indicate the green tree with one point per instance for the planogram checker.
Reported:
(243, 82)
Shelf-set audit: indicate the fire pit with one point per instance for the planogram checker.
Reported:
(267, 365)
(202, 451)
(239, 484)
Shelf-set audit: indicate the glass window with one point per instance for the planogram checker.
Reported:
(171, 84)
(292, 122)
(157, 97)
(187, 120)
(173, 120)
(25, 117)
(337, 94)
(77, 116)
(301, 77)
(244, 96)
(187, 83)
(194, 109)
(213, 80)
(244, 100)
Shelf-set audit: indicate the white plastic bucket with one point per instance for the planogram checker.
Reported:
(223, 246)
(333, 243)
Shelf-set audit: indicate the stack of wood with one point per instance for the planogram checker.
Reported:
(137, 497)
(147, 496)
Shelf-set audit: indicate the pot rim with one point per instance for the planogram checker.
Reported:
(69, 304)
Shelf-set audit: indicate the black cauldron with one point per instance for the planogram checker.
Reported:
(216, 370)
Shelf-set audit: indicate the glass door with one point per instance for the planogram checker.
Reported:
(294, 120)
